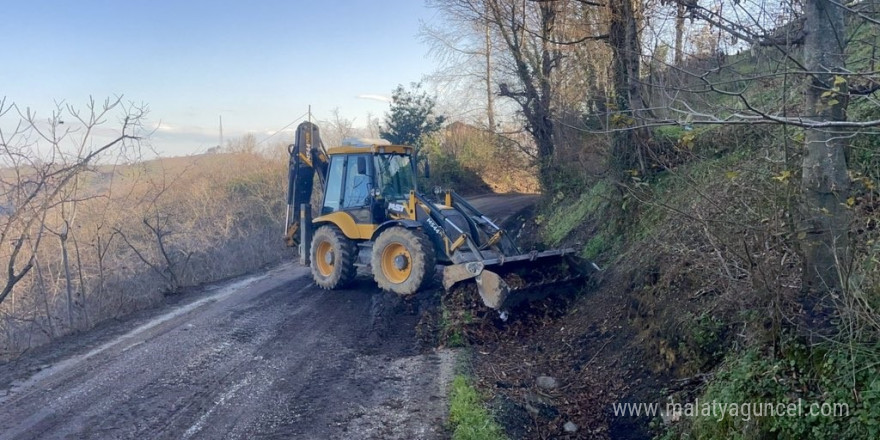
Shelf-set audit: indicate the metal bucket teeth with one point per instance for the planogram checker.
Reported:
(506, 282)
(493, 289)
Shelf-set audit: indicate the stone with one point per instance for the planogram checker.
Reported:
(547, 383)
(542, 406)
(570, 427)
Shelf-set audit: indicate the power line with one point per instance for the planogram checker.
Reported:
(283, 128)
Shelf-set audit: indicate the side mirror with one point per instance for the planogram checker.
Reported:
(362, 165)
(427, 169)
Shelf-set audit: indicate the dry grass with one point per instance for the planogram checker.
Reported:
(144, 231)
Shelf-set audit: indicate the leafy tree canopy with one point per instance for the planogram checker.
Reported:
(411, 117)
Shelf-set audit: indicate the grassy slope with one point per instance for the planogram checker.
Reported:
(698, 296)
(695, 302)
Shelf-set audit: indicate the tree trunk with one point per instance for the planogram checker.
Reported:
(42, 286)
(535, 63)
(679, 34)
(490, 98)
(825, 184)
(543, 135)
(623, 38)
(68, 282)
(82, 284)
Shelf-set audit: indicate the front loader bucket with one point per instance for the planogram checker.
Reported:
(506, 282)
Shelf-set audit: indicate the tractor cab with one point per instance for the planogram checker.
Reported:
(369, 179)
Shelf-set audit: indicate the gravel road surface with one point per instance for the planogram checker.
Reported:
(265, 356)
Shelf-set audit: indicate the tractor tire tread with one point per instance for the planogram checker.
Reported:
(421, 250)
(346, 253)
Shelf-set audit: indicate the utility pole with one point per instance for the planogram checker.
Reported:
(221, 132)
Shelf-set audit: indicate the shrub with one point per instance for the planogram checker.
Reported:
(836, 378)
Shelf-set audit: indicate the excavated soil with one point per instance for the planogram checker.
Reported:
(579, 334)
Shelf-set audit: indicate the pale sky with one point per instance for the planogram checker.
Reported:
(259, 64)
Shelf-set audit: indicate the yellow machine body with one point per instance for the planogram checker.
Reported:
(372, 215)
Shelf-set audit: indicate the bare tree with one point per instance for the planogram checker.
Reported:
(89, 231)
(810, 70)
(373, 126)
(625, 44)
(337, 128)
(43, 159)
(537, 52)
(464, 43)
(151, 240)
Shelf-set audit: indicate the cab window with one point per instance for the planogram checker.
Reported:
(395, 175)
(357, 182)
(333, 193)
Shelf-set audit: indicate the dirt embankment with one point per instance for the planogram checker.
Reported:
(585, 345)
(581, 338)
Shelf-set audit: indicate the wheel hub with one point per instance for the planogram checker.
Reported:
(324, 258)
(401, 262)
(395, 263)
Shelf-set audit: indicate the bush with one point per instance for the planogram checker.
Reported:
(470, 160)
(155, 228)
(836, 377)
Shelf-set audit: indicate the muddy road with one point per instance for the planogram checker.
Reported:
(268, 356)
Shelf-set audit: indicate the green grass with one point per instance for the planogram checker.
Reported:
(468, 417)
(675, 189)
(828, 374)
(597, 245)
(566, 217)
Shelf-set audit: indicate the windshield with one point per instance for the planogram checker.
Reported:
(394, 175)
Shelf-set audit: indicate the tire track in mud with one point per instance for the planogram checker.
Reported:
(279, 359)
(155, 379)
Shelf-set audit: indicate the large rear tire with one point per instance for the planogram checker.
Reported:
(332, 255)
(403, 260)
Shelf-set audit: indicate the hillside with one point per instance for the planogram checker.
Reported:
(695, 301)
(124, 236)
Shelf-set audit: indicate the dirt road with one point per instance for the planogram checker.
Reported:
(270, 355)
(498, 207)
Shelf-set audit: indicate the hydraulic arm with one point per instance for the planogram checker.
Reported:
(307, 159)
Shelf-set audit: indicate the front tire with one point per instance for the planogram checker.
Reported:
(403, 260)
(332, 255)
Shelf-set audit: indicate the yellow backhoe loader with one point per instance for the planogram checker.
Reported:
(372, 215)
